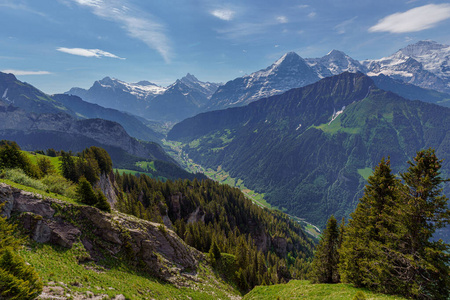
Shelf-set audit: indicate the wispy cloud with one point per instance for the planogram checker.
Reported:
(24, 72)
(416, 19)
(88, 52)
(312, 14)
(341, 28)
(223, 14)
(282, 19)
(244, 30)
(137, 24)
(20, 6)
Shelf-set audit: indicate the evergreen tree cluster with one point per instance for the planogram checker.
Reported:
(387, 245)
(216, 218)
(90, 163)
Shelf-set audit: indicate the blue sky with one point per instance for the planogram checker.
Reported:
(59, 44)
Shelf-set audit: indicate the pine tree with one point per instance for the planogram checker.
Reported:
(424, 210)
(68, 168)
(85, 193)
(17, 279)
(326, 258)
(214, 251)
(102, 202)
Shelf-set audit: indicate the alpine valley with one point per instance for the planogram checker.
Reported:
(92, 182)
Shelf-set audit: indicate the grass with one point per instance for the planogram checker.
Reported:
(113, 277)
(146, 165)
(302, 289)
(36, 191)
(34, 156)
(133, 172)
(365, 173)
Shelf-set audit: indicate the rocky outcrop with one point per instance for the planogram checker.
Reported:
(153, 245)
(108, 186)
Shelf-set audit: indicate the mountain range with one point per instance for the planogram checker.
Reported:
(311, 149)
(180, 100)
(423, 65)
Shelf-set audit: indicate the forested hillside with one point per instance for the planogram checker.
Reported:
(247, 245)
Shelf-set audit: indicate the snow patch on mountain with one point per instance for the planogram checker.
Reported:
(336, 114)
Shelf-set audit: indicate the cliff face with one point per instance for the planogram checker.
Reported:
(53, 221)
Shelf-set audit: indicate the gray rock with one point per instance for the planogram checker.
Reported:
(7, 198)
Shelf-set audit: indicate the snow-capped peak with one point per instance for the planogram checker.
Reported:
(422, 48)
(335, 53)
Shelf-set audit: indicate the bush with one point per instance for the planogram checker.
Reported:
(59, 185)
(45, 165)
(359, 296)
(19, 176)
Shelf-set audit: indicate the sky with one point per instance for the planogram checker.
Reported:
(59, 44)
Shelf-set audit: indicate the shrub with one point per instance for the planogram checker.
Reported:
(59, 185)
(359, 296)
(19, 176)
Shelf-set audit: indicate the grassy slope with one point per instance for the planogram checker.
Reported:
(60, 267)
(301, 289)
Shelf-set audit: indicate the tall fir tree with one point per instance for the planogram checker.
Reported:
(366, 255)
(424, 210)
(326, 258)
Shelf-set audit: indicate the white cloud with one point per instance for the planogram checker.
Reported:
(282, 19)
(416, 19)
(137, 24)
(224, 14)
(312, 14)
(88, 52)
(24, 72)
(303, 6)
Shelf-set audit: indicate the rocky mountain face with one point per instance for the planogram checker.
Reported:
(173, 103)
(182, 99)
(286, 73)
(334, 63)
(53, 221)
(120, 95)
(425, 64)
(86, 110)
(101, 131)
(311, 149)
(23, 95)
